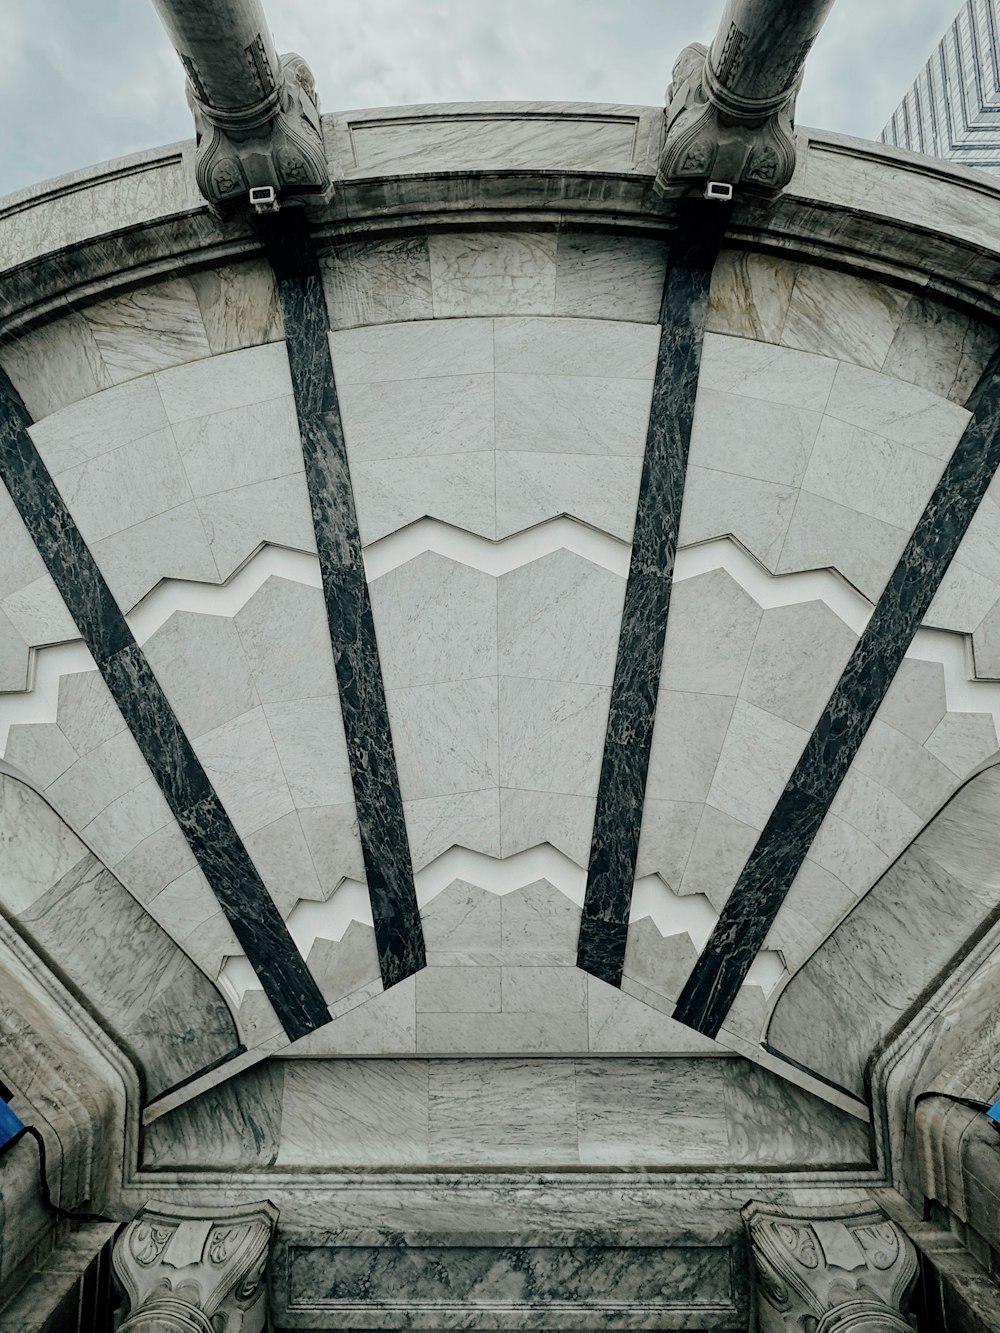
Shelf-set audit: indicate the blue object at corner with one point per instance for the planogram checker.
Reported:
(10, 1124)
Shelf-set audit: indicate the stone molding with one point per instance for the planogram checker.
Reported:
(829, 1270)
(189, 1270)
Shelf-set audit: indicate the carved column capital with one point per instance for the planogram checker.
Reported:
(185, 1270)
(829, 1271)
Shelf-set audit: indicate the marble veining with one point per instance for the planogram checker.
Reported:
(164, 745)
(381, 822)
(850, 711)
(618, 818)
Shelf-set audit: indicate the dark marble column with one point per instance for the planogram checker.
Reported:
(226, 864)
(622, 789)
(384, 843)
(782, 847)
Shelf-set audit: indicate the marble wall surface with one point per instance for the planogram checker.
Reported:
(517, 1114)
(145, 990)
(495, 389)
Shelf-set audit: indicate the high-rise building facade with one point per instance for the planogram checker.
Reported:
(952, 108)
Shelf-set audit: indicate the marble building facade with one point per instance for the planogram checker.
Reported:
(315, 576)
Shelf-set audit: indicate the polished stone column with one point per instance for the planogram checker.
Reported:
(829, 1270)
(185, 1270)
(256, 115)
(730, 107)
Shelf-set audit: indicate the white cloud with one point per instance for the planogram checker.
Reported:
(84, 80)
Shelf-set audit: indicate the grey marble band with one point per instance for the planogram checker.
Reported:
(379, 804)
(782, 847)
(226, 864)
(622, 788)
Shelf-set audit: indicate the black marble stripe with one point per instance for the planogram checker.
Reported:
(782, 847)
(384, 843)
(227, 866)
(621, 793)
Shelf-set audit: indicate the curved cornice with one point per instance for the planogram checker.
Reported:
(866, 207)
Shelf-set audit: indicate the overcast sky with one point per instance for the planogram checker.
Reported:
(82, 81)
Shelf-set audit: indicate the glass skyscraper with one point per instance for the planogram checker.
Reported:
(953, 107)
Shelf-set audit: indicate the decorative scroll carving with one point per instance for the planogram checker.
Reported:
(829, 1271)
(277, 143)
(185, 1272)
(730, 108)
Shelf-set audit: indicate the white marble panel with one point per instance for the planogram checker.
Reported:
(964, 741)
(610, 277)
(765, 371)
(88, 714)
(940, 349)
(21, 564)
(54, 365)
(495, 138)
(127, 821)
(385, 1025)
(915, 702)
(40, 750)
(816, 903)
(29, 865)
(445, 737)
(667, 836)
(148, 328)
(435, 620)
(281, 854)
(119, 489)
(558, 618)
(492, 273)
(963, 600)
(839, 315)
(239, 305)
(866, 472)
(797, 658)
(563, 1032)
(242, 763)
(758, 755)
(309, 738)
(752, 438)
(286, 638)
(750, 295)
(460, 819)
(876, 812)
(687, 740)
(710, 632)
(221, 383)
(538, 925)
(200, 663)
(900, 763)
(528, 818)
(620, 1025)
(378, 282)
(457, 488)
(906, 413)
(445, 414)
(718, 853)
(172, 544)
(157, 860)
(756, 513)
(14, 654)
(419, 350)
(850, 856)
(980, 547)
(458, 990)
(542, 990)
(331, 832)
(591, 347)
(38, 613)
(552, 735)
(532, 487)
(823, 534)
(236, 522)
(240, 447)
(371, 1111)
(463, 922)
(573, 414)
(99, 424)
(98, 777)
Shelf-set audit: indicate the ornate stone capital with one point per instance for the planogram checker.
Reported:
(185, 1271)
(829, 1271)
(278, 143)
